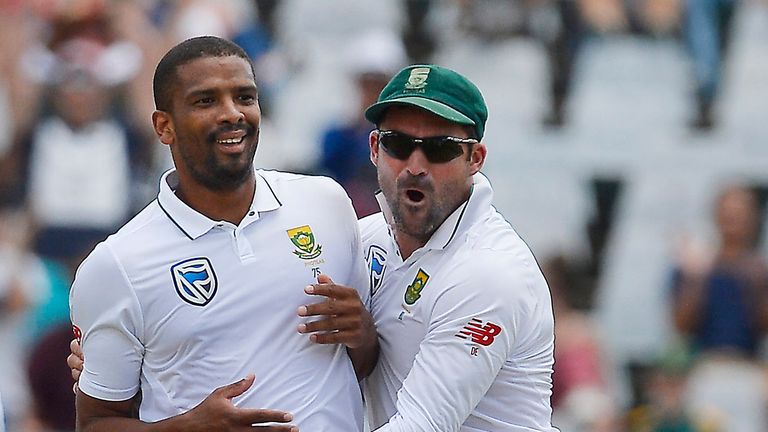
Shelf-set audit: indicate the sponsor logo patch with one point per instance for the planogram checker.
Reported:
(195, 280)
(483, 333)
(377, 264)
(304, 240)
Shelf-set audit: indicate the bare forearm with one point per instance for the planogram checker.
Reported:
(364, 359)
(689, 303)
(119, 424)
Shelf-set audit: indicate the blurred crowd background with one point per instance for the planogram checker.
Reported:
(628, 145)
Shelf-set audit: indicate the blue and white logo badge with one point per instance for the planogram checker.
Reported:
(195, 280)
(377, 263)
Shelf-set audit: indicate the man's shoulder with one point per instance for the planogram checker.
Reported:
(287, 184)
(372, 226)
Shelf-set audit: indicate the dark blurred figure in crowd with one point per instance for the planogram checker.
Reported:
(419, 41)
(581, 401)
(662, 407)
(371, 60)
(707, 33)
(557, 24)
(50, 381)
(720, 302)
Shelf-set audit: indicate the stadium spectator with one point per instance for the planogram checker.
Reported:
(720, 302)
(371, 61)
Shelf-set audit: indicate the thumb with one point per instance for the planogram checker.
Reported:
(237, 388)
(324, 279)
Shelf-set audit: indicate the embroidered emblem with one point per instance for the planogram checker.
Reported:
(417, 80)
(195, 280)
(413, 291)
(303, 238)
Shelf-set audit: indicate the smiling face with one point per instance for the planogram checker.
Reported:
(213, 124)
(420, 194)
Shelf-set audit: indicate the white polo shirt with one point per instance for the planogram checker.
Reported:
(176, 304)
(465, 326)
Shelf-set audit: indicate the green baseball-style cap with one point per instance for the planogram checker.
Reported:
(436, 89)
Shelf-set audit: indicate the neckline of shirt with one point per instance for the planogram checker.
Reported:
(194, 224)
(457, 223)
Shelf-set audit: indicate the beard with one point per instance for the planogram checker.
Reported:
(220, 175)
(418, 226)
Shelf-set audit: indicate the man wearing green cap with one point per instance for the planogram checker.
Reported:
(463, 312)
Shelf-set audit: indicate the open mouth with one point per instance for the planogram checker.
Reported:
(414, 195)
(230, 140)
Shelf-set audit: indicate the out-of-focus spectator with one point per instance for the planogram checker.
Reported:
(720, 302)
(23, 286)
(707, 33)
(581, 401)
(79, 164)
(50, 381)
(662, 408)
(371, 60)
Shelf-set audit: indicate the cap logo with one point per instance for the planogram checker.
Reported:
(417, 80)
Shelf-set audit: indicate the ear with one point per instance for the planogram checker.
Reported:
(373, 141)
(477, 158)
(163, 125)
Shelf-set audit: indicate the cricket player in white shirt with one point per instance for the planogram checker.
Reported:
(463, 312)
(209, 283)
(462, 309)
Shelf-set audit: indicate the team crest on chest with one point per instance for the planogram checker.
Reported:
(413, 291)
(304, 240)
(377, 264)
(195, 280)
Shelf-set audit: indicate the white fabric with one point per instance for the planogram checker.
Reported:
(2, 417)
(429, 378)
(80, 178)
(138, 331)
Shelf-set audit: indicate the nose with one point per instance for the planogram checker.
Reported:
(231, 112)
(417, 163)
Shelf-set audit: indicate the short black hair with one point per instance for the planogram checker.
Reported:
(183, 53)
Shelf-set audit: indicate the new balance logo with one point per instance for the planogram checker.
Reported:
(479, 332)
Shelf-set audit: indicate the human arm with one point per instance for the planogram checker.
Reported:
(471, 332)
(689, 288)
(108, 322)
(216, 412)
(344, 319)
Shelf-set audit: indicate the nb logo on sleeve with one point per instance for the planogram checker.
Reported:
(480, 333)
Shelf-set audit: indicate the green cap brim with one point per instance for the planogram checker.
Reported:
(374, 112)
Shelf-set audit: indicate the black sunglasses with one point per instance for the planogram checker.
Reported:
(437, 149)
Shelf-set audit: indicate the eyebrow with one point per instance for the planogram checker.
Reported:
(210, 91)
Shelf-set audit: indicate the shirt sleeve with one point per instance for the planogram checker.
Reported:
(470, 335)
(107, 319)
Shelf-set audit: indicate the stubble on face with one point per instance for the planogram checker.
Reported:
(220, 174)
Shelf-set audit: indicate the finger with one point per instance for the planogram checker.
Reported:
(236, 389)
(250, 416)
(324, 279)
(333, 338)
(75, 374)
(74, 346)
(74, 388)
(276, 428)
(331, 290)
(74, 362)
(332, 307)
(330, 324)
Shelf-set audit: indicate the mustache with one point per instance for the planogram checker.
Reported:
(415, 182)
(248, 129)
